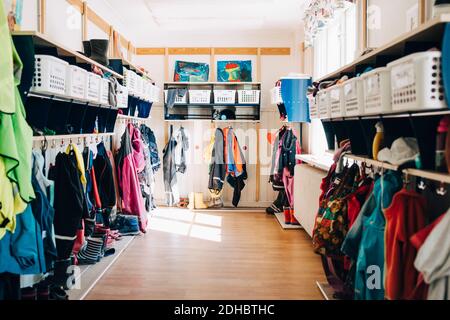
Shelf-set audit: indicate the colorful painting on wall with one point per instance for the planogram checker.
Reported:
(191, 72)
(234, 71)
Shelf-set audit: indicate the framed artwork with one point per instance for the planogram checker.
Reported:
(234, 71)
(191, 72)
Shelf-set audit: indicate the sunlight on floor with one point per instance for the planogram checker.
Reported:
(186, 223)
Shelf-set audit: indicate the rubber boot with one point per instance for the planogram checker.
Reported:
(191, 205)
(294, 220)
(199, 203)
(287, 215)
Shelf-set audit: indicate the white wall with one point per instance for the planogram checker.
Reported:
(389, 20)
(29, 14)
(272, 68)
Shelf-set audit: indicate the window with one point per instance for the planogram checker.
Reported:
(334, 47)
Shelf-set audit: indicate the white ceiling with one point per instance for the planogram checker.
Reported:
(211, 15)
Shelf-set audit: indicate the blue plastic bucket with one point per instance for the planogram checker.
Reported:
(293, 92)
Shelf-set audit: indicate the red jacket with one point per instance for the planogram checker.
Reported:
(405, 217)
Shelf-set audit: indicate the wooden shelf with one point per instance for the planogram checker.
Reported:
(430, 31)
(66, 99)
(71, 137)
(371, 162)
(429, 175)
(322, 163)
(41, 40)
(213, 83)
(124, 117)
(425, 113)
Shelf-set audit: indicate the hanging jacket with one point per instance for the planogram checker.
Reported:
(217, 169)
(130, 191)
(289, 148)
(137, 148)
(104, 178)
(182, 146)
(149, 137)
(405, 217)
(276, 178)
(433, 260)
(371, 248)
(22, 253)
(234, 158)
(170, 173)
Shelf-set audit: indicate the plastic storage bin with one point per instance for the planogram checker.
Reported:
(275, 95)
(178, 100)
(104, 92)
(94, 87)
(377, 91)
(249, 96)
(130, 78)
(323, 104)
(76, 82)
(353, 97)
(336, 101)
(156, 92)
(416, 82)
(122, 97)
(313, 107)
(200, 96)
(224, 96)
(49, 75)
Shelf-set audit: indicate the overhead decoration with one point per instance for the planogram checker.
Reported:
(318, 15)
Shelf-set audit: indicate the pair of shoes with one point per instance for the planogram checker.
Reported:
(127, 225)
(184, 203)
(289, 217)
(196, 201)
(97, 50)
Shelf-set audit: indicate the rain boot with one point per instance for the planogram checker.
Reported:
(191, 205)
(199, 203)
(287, 215)
(294, 220)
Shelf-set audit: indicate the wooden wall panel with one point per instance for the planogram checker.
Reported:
(189, 51)
(150, 51)
(276, 51)
(236, 51)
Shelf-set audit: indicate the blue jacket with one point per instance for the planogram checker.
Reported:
(365, 240)
(22, 252)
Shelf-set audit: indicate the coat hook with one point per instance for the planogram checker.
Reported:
(422, 186)
(441, 191)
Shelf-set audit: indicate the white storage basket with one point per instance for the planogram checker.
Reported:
(94, 87)
(148, 91)
(324, 104)
(200, 96)
(76, 83)
(122, 97)
(178, 100)
(336, 101)
(49, 75)
(130, 79)
(249, 96)
(354, 97)
(156, 92)
(313, 107)
(377, 91)
(224, 96)
(276, 97)
(416, 82)
(104, 92)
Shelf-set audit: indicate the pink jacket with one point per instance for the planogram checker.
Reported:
(128, 160)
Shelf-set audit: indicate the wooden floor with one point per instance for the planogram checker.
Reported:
(203, 256)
